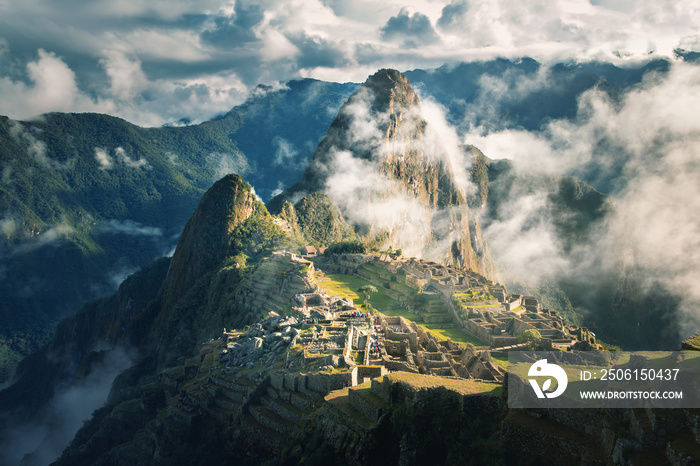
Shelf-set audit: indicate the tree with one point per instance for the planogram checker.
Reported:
(366, 290)
(531, 336)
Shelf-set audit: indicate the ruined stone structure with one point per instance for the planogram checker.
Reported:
(460, 296)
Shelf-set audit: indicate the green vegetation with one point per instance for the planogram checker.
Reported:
(346, 247)
(366, 291)
(501, 359)
(348, 286)
(530, 335)
(455, 334)
(321, 221)
(258, 236)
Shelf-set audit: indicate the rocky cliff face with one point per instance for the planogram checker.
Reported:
(392, 177)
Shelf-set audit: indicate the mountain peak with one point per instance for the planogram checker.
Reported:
(205, 238)
(391, 89)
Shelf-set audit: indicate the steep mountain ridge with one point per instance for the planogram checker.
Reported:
(379, 152)
(206, 236)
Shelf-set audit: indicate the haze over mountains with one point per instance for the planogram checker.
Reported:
(80, 193)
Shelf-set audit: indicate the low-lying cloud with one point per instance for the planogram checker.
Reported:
(107, 162)
(644, 150)
(45, 439)
(129, 227)
(28, 137)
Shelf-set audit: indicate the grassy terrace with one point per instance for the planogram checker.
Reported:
(455, 334)
(501, 359)
(463, 387)
(404, 288)
(374, 268)
(347, 286)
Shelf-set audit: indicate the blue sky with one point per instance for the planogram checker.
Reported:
(158, 61)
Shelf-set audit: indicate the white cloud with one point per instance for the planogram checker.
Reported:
(127, 78)
(8, 226)
(286, 153)
(128, 161)
(129, 227)
(52, 87)
(103, 159)
(152, 55)
(648, 144)
(222, 164)
(28, 136)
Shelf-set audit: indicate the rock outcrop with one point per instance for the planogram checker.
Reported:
(393, 178)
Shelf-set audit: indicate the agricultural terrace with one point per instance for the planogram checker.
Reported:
(347, 286)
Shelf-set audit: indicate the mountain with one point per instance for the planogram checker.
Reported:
(159, 315)
(385, 167)
(87, 199)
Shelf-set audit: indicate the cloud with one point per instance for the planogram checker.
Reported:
(103, 159)
(127, 79)
(27, 136)
(46, 438)
(412, 30)
(358, 176)
(221, 164)
(318, 52)
(453, 14)
(286, 153)
(645, 150)
(129, 227)
(118, 274)
(236, 28)
(51, 86)
(158, 63)
(38, 239)
(120, 153)
(8, 226)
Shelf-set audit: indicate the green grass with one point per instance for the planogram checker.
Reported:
(400, 313)
(695, 341)
(403, 288)
(500, 359)
(461, 386)
(455, 334)
(347, 286)
(359, 357)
